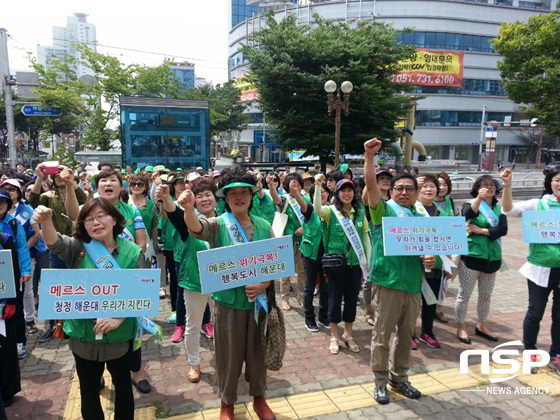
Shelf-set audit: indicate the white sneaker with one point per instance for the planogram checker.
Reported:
(21, 351)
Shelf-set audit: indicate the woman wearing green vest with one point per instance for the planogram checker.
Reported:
(485, 226)
(446, 203)
(237, 336)
(428, 190)
(344, 219)
(138, 185)
(542, 268)
(189, 279)
(99, 220)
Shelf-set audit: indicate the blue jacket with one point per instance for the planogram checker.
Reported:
(21, 243)
(25, 211)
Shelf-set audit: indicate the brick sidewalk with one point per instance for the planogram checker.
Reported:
(47, 370)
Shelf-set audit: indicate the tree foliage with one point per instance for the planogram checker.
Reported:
(290, 64)
(530, 67)
(93, 100)
(226, 112)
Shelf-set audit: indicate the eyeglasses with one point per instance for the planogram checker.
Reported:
(400, 189)
(100, 217)
(136, 184)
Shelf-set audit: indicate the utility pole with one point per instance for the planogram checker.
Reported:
(481, 138)
(6, 83)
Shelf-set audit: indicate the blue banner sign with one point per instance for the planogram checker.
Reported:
(86, 294)
(425, 236)
(7, 281)
(541, 227)
(250, 263)
(37, 111)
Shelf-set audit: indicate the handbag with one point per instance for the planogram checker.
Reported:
(58, 332)
(273, 334)
(280, 221)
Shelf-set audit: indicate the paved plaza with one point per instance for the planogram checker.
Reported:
(316, 384)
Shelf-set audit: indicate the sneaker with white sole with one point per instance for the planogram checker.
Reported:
(430, 340)
(178, 334)
(554, 363)
(311, 325)
(21, 351)
(207, 330)
(173, 318)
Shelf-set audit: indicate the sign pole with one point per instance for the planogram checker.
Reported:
(7, 85)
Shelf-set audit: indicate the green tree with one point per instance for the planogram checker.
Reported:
(93, 101)
(290, 64)
(530, 67)
(226, 112)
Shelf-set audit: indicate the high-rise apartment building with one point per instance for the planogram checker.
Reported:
(184, 73)
(77, 30)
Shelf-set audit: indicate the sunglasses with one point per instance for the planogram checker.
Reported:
(11, 189)
(136, 184)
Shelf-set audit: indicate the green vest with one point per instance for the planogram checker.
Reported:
(293, 221)
(147, 216)
(312, 237)
(236, 298)
(403, 272)
(545, 255)
(338, 241)
(480, 246)
(129, 214)
(189, 276)
(82, 329)
(265, 209)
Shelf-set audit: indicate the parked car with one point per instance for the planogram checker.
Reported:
(552, 165)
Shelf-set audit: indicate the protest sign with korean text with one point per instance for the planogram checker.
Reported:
(541, 227)
(7, 281)
(425, 236)
(86, 294)
(249, 263)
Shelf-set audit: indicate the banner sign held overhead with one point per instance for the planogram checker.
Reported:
(541, 227)
(7, 281)
(86, 294)
(425, 236)
(250, 263)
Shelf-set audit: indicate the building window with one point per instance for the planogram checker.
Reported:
(439, 118)
(442, 40)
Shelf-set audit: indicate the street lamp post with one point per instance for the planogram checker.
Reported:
(337, 104)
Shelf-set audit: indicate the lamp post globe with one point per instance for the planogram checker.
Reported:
(346, 87)
(330, 86)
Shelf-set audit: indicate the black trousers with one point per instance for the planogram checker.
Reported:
(344, 285)
(89, 374)
(429, 311)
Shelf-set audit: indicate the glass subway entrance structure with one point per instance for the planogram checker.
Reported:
(170, 132)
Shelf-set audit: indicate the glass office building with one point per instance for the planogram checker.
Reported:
(447, 118)
(170, 132)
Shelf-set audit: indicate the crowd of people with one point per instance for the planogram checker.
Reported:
(156, 217)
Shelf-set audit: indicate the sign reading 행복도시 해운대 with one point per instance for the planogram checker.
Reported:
(7, 280)
(86, 294)
(431, 68)
(249, 263)
(425, 236)
(541, 227)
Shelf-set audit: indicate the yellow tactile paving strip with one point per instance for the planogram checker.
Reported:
(326, 402)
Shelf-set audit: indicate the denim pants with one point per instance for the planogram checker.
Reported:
(538, 298)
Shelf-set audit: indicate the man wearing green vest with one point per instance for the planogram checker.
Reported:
(397, 284)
